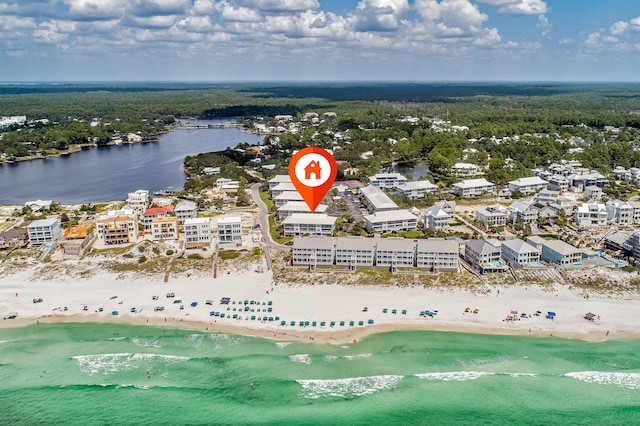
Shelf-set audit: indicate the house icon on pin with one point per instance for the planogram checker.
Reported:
(313, 168)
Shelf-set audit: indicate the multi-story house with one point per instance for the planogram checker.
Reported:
(197, 232)
(44, 231)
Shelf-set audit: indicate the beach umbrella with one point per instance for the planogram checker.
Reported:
(253, 317)
(283, 322)
(342, 323)
(370, 321)
(292, 323)
(313, 324)
(323, 323)
(270, 303)
(385, 310)
(351, 323)
(394, 311)
(404, 312)
(360, 322)
(332, 323)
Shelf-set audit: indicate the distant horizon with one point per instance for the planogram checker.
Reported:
(381, 81)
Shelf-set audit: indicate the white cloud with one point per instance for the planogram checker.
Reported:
(149, 8)
(96, 9)
(544, 25)
(229, 12)
(566, 41)
(518, 7)
(280, 5)
(452, 17)
(380, 15)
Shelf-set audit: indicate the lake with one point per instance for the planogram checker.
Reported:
(109, 173)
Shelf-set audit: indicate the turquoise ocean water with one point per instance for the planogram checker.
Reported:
(80, 374)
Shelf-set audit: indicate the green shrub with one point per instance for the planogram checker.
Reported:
(169, 252)
(142, 259)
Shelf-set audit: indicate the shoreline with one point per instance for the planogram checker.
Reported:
(334, 336)
(390, 308)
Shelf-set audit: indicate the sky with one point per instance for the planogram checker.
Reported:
(319, 40)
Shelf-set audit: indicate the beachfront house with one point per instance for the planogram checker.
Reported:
(313, 251)
(354, 252)
(437, 255)
(115, 228)
(293, 207)
(528, 185)
(309, 223)
(518, 253)
(391, 220)
(375, 198)
(184, 210)
(164, 228)
(593, 193)
(138, 201)
(154, 212)
(387, 180)
(197, 232)
(473, 187)
(560, 253)
(229, 230)
(39, 205)
(546, 196)
(492, 216)
(416, 189)
(14, 237)
(591, 215)
(484, 255)
(44, 231)
(395, 253)
(558, 183)
(619, 212)
(522, 213)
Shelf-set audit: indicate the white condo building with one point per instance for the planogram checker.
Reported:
(44, 231)
(197, 232)
(473, 187)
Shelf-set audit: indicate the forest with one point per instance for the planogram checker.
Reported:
(542, 116)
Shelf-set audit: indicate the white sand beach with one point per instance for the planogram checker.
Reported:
(615, 316)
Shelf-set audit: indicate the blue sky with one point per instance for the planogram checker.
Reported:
(311, 40)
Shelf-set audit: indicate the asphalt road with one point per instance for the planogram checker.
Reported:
(263, 217)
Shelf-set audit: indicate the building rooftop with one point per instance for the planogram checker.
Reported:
(314, 242)
(289, 195)
(396, 244)
(228, 220)
(472, 183)
(533, 180)
(310, 219)
(43, 222)
(153, 211)
(378, 198)
(561, 247)
(436, 244)
(390, 215)
(355, 243)
(197, 221)
(302, 207)
(519, 246)
(418, 184)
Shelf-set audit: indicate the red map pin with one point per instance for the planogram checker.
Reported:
(312, 171)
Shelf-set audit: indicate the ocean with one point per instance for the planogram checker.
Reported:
(80, 374)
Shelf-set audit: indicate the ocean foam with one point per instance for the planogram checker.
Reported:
(114, 363)
(282, 345)
(458, 376)
(348, 387)
(153, 343)
(358, 356)
(330, 358)
(623, 380)
(301, 358)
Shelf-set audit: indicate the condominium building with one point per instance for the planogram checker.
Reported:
(313, 251)
(473, 187)
(591, 215)
(197, 232)
(416, 189)
(465, 170)
(293, 207)
(484, 255)
(377, 199)
(309, 223)
(437, 255)
(392, 220)
(560, 253)
(355, 251)
(277, 179)
(437, 219)
(138, 200)
(44, 231)
(164, 228)
(117, 229)
(492, 216)
(395, 252)
(154, 212)
(528, 185)
(186, 210)
(387, 180)
(229, 230)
